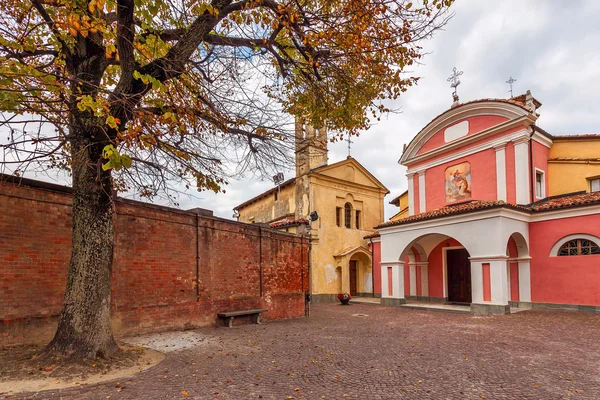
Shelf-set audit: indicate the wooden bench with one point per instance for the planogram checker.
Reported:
(229, 316)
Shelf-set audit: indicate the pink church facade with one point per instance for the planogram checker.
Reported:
(481, 229)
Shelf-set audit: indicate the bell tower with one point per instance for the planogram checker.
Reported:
(311, 147)
(311, 153)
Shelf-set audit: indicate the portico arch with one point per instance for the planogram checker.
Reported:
(518, 270)
(484, 235)
(356, 270)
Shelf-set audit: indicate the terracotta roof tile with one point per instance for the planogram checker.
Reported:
(372, 235)
(266, 193)
(572, 200)
(573, 159)
(577, 136)
(578, 199)
(288, 221)
(470, 206)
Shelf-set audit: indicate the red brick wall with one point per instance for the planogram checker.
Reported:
(160, 254)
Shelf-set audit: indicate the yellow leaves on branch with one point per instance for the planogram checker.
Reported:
(81, 24)
(115, 161)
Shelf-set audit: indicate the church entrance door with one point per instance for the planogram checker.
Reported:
(353, 274)
(459, 275)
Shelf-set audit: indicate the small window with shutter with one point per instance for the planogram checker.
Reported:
(595, 185)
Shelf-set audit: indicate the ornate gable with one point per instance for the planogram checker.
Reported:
(464, 124)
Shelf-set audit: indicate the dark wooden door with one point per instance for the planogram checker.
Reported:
(353, 273)
(459, 276)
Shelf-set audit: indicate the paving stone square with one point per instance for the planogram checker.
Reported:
(366, 351)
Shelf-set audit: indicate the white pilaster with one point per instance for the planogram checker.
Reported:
(499, 282)
(501, 172)
(411, 194)
(476, 282)
(424, 279)
(522, 170)
(422, 199)
(524, 281)
(398, 280)
(412, 271)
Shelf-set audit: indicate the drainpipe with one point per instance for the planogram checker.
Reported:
(372, 265)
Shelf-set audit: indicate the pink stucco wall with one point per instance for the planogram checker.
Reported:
(539, 155)
(476, 124)
(483, 179)
(483, 174)
(563, 280)
(376, 254)
(436, 268)
(406, 277)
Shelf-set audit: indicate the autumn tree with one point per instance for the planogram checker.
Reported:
(129, 95)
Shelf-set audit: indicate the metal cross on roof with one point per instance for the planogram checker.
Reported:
(349, 144)
(455, 82)
(510, 81)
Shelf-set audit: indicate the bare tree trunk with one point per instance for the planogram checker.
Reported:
(84, 329)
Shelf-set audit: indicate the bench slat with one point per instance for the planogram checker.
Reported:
(243, 312)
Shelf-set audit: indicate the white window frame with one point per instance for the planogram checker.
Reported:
(592, 180)
(558, 245)
(543, 194)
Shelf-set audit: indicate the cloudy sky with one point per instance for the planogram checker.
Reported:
(549, 47)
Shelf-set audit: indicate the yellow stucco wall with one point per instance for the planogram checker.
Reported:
(402, 207)
(323, 190)
(331, 189)
(267, 209)
(571, 164)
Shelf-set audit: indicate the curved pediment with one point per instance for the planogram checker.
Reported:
(465, 122)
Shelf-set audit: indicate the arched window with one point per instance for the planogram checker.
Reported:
(579, 247)
(348, 215)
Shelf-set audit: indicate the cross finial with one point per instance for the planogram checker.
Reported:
(349, 144)
(454, 83)
(510, 81)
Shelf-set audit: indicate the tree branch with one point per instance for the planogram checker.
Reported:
(52, 25)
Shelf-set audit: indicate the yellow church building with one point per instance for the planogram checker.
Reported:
(337, 205)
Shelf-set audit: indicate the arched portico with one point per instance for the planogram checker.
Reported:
(356, 268)
(483, 238)
(518, 270)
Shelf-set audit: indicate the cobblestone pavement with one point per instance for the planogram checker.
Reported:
(373, 352)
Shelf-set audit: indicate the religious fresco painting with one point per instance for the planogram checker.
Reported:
(458, 182)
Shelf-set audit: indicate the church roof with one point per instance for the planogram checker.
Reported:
(570, 200)
(396, 200)
(320, 169)
(289, 182)
(577, 199)
(521, 108)
(578, 136)
(351, 160)
(288, 221)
